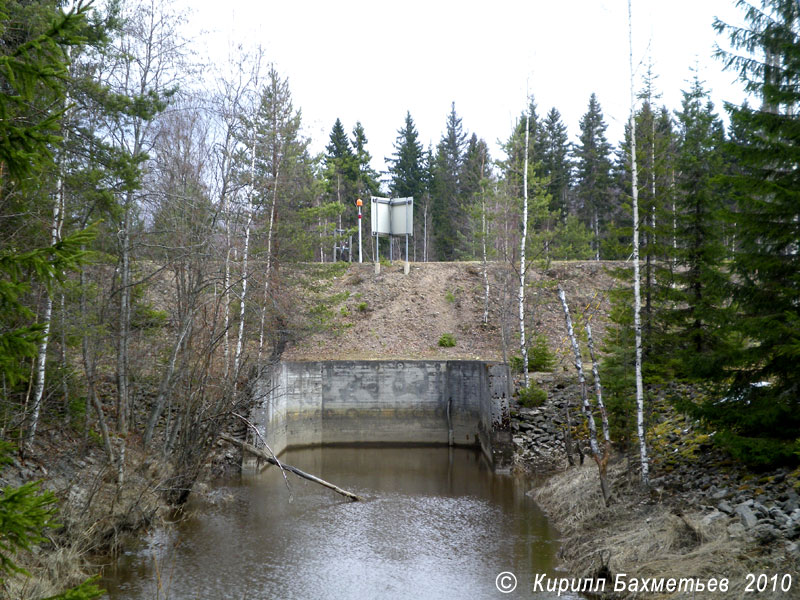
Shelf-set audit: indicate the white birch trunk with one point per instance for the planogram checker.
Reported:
(124, 321)
(41, 358)
(268, 269)
(484, 233)
(226, 298)
(522, 345)
(41, 355)
(586, 409)
(598, 388)
(653, 180)
(675, 226)
(237, 356)
(637, 297)
(425, 233)
(249, 208)
(63, 352)
(166, 380)
(600, 458)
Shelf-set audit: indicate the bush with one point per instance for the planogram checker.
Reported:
(531, 396)
(362, 306)
(448, 340)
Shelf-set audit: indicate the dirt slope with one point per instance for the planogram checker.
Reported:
(397, 316)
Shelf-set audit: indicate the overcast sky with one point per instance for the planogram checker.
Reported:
(372, 61)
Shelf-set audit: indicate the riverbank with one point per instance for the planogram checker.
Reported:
(704, 517)
(96, 517)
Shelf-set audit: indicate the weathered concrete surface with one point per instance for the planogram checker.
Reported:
(385, 402)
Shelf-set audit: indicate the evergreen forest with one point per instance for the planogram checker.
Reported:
(117, 171)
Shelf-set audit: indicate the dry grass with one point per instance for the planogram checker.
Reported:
(96, 520)
(644, 538)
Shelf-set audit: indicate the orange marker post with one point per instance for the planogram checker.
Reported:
(359, 204)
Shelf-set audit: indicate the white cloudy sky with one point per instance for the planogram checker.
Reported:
(372, 60)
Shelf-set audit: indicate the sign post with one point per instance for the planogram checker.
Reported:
(393, 217)
(359, 204)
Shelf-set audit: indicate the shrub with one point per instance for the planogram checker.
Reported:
(362, 306)
(449, 296)
(447, 340)
(531, 396)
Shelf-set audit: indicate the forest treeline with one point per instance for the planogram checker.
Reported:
(119, 172)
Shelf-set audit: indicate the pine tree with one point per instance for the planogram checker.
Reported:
(593, 172)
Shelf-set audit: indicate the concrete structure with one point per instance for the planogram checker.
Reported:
(462, 403)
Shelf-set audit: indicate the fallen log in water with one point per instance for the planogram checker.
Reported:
(262, 454)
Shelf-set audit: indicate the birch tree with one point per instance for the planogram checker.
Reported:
(586, 409)
(145, 64)
(41, 357)
(637, 297)
(523, 347)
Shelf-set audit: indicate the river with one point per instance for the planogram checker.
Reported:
(436, 524)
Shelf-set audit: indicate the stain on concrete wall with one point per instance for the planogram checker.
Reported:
(385, 402)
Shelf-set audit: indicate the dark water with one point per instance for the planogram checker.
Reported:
(437, 524)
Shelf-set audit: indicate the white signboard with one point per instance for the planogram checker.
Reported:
(392, 216)
(402, 216)
(381, 215)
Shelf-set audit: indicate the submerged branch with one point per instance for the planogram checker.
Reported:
(265, 456)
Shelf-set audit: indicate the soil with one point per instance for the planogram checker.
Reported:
(396, 316)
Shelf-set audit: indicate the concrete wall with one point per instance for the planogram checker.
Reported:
(385, 402)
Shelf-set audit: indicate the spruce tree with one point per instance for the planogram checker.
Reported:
(692, 319)
(761, 422)
(367, 183)
(593, 172)
(32, 67)
(555, 163)
(446, 210)
(407, 165)
(341, 164)
(474, 173)
(342, 177)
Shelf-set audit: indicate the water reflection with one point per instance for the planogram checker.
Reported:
(437, 523)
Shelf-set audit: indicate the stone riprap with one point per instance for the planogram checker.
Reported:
(463, 403)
